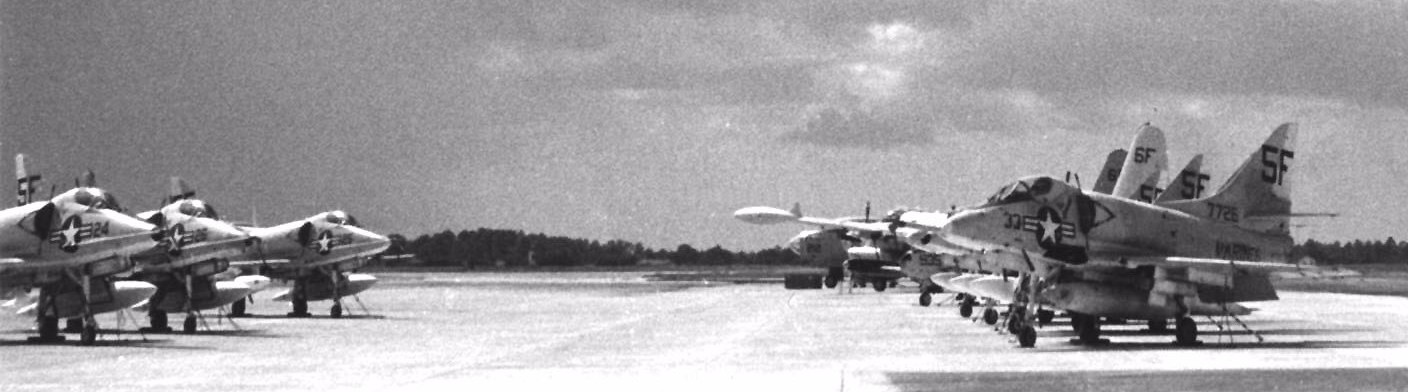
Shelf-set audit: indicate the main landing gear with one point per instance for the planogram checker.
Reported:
(834, 276)
(965, 308)
(926, 294)
(301, 289)
(237, 309)
(47, 311)
(1186, 332)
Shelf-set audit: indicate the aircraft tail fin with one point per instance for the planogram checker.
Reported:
(179, 190)
(1110, 173)
(1189, 185)
(26, 181)
(1258, 195)
(1147, 160)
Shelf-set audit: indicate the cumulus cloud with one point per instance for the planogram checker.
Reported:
(1081, 66)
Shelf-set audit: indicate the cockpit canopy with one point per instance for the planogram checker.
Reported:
(197, 208)
(337, 217)
(89, 197)
(1022, 190)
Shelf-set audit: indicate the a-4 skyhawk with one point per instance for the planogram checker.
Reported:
(197, 246)
(70, 247)
(1096, 255)
(318, 255)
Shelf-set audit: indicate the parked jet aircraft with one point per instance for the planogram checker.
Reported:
(974, 273)
(317, 254)
(314, 253)
(1097, 255)
(197, 246)
(70, 247)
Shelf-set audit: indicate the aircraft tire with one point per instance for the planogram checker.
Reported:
(830, 282)
(1026, 336)
(336, 310)
(158, 319)
(89, 334)
(1045, 316)
(925, 299)
(300, 307)
(1077, 321)
(990, 316)
(190, 325)
(237, 309)
(1186, 332)
(1090, 329)
(879, 286)
(1158, 325)
(49, 328)
(965, 310)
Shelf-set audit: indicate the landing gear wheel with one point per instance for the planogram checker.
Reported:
(1026, 336)
(1186, 332)
(925, 299)
(49, 328)
(1158, 325)
(879, 286)
(1090, 329)
(190, 325)
(965, 310)
(300, 308)
(237, 308)
(830, 282)
(336, 310)
(1045, 316)
(158, 320)
(73, 325)
(1078, 321)
(89, 334)
(990, 316)
(1015, 317)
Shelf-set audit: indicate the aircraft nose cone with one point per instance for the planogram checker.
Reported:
(375, 242)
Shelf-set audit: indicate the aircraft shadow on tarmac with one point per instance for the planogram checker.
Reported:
(1212, 343)
(132, 340)
(124, 335)
(315, 316)
(1187, 380)
(1209, 334)
(252, 333)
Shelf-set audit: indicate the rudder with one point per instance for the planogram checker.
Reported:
(1258, 195)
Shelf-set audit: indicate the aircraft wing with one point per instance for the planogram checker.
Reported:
(770, 215)
(863, 227)
(11, 264)
(260, 263)
(1218, 265)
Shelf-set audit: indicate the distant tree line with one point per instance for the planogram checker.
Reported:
(1356, 252)
(483, 248)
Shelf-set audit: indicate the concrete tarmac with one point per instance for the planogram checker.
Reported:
(615, 331)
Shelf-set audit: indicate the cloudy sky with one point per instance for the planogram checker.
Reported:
(653, 121)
